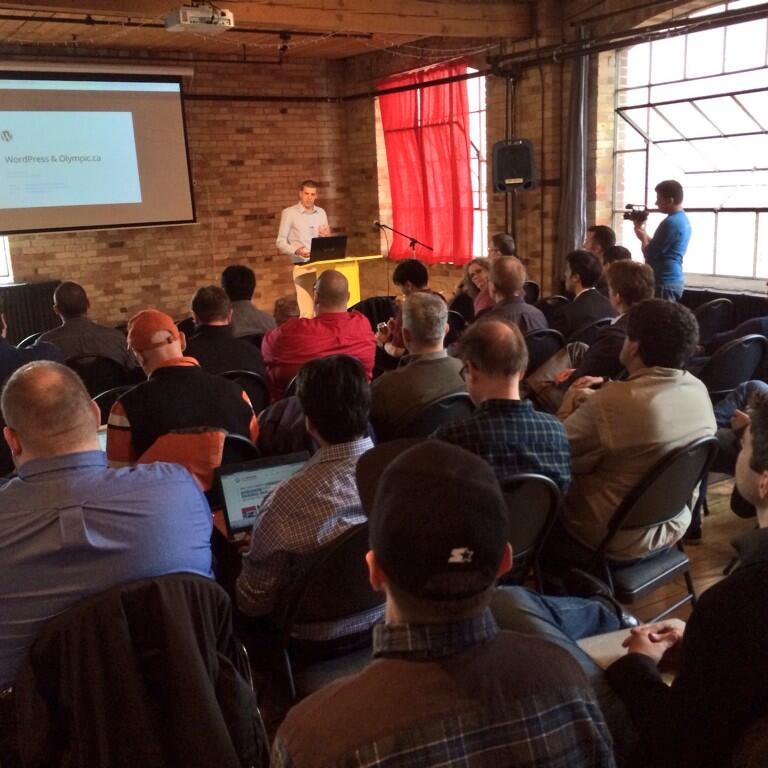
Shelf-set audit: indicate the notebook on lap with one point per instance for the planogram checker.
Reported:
(245, 485)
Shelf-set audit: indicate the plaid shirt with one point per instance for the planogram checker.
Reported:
(475, 719)
(301, 515)
(512, 437)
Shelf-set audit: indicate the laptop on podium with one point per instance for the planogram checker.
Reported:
(332, 248)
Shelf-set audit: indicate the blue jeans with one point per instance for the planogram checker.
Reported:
(562, 621)
(669, 292)
(739, 399)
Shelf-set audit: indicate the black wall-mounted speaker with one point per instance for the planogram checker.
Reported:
(513, 165)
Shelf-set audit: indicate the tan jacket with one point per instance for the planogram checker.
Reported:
(616, 436)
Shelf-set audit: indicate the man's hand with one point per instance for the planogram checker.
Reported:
(739, 421)
(384, 332)
(302, 252)
(584, 382)
(641, 234)
(324, 230)
(653, 640)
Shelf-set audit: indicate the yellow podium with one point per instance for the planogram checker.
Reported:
(305, 275)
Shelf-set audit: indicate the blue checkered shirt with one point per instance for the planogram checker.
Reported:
(452, 695)
(305, 512)
(513, 438)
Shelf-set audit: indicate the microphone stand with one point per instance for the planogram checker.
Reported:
(413, 242)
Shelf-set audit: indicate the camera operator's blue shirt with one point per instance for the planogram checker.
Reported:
(667, 247)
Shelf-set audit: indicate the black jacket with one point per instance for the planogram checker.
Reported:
(722, 685)
(146, 674)
(587, 307)
(218, 351)
(602, 357)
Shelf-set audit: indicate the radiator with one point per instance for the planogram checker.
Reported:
(29, 308)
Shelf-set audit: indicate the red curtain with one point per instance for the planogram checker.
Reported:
(426, 134)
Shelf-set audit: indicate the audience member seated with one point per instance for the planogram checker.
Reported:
(612, 254)
(410, 276)
(72, 527)
(599, 239)
(560, 381)
(582, 272)
(318, 503)
(332, 331)
(505, 430)
(446, 687)
(424, 375)
(80, 336)
(214, 345)
(619, 432)
(758, 325)
(473, 295)
(239, 282)
(12, 358)
(507, 280)
(285, 309)
(719, 689)
(502, 244)
(181, 413)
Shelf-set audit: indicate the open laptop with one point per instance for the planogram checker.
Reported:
(333, 248)
(245, 485)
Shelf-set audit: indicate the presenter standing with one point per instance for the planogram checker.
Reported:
(298, 225)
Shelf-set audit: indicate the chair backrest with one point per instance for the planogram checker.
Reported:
(456, 325)
(290, 389)
(714, 317)
(98, 373)
(238, 449)
(253, 338)
(551, 304)
(542, 344)
(29, 340)
(533, 502)
(589, 332)
(664, 489)
(453, 407)
(733, 364)
(105, 400)
(336, 584)
(531, 291)
(253, 384)
(378, 309)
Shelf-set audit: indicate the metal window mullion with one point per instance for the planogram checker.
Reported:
(714, 246)
(748, 113)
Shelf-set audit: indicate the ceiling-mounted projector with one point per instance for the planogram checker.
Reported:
(202, 19)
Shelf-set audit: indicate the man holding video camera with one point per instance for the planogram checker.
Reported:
(665, 250)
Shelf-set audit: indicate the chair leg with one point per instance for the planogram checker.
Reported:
(289, 675)
(689, 584)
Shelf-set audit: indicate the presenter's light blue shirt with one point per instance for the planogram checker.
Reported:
(71, 527)
(667, 247)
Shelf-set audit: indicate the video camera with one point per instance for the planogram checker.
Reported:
(635, 213)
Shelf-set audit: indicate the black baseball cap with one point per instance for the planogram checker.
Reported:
(437, 517)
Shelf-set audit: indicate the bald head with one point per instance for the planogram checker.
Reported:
(48, 412)
(495, 348)
(331, 292)
(507, 277)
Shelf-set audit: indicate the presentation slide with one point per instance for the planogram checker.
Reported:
(68, 158)
(91, 152)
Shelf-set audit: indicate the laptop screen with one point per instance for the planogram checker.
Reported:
(245, 486)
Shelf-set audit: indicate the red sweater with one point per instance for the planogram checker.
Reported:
(286, 348)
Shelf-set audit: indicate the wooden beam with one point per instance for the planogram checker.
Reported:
(427, 18)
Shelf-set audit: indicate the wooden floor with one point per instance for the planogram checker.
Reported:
(708, 559)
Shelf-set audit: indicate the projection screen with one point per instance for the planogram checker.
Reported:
(88, 151)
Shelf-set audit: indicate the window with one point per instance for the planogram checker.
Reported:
(6, 274)
(478, 164)
(695, 108)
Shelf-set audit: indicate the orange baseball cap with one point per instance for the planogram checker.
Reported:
(143, 327)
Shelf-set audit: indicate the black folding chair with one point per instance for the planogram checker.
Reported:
(29, 340)
(656, 499)
(542, 344)
(733, 364)
(714, 317)
(551, 304)
(105, 400)
(531, 291)
(254, 386)
(533, 502)
(378, 309)
(335, 586)
(589, 332)
(448, 408)
(99, 373)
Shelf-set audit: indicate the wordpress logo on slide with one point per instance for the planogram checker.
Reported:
(6, 135)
